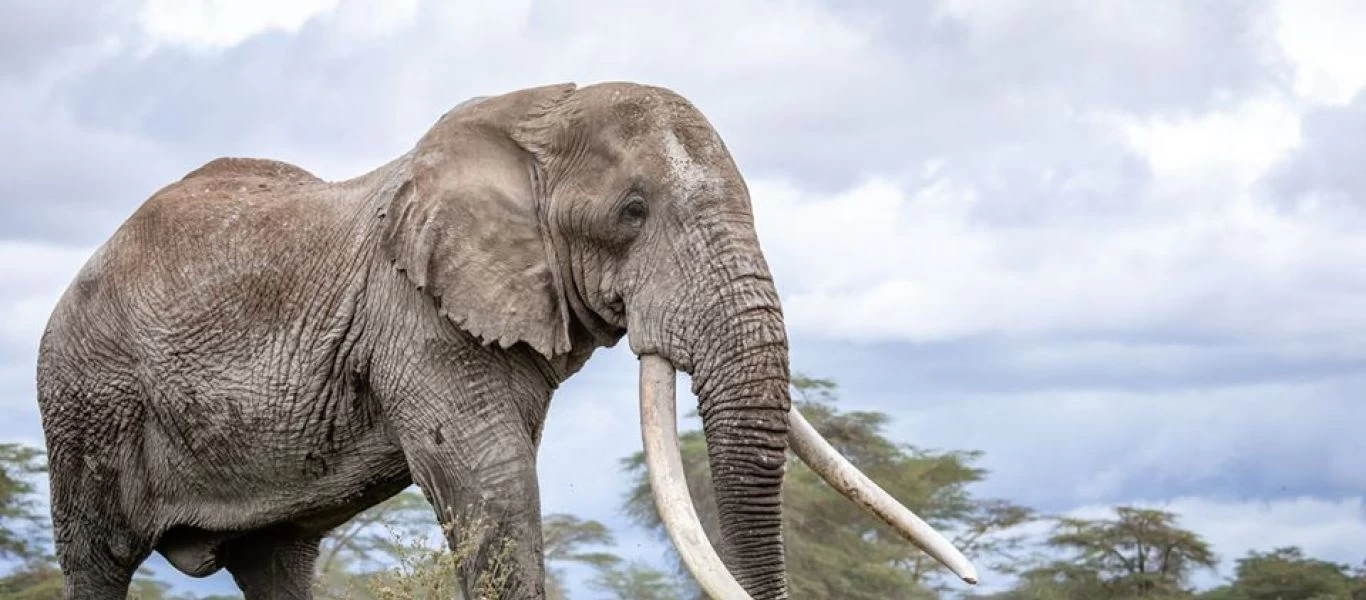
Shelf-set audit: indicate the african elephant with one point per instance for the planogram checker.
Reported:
(256, 355)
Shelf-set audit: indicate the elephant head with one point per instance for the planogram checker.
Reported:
(560, 219)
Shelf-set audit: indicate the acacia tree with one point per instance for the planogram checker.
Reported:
(21, 519)
(23, 527)
(1140, 553)
(834, 548)
(1287, 574)
(567, 539)
(635, 581)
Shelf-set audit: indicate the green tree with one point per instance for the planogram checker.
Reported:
(1287, 574)
(23, 527)
(34, 580)
(21, 520)
(1058, 581)
(567, 539)
(147, 588)
(834, 548)
(635, 581)
(1140, 553)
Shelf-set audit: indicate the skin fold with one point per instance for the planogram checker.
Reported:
(256, 355)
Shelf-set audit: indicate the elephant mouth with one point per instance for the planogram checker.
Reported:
(664, 462)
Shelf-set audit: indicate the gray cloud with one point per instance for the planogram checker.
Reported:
(848, 97)
(70, 182)
(990, 365)
(39, 33)
(1326, 172)
(1056, 449)
(854, 93)
(1099, 425)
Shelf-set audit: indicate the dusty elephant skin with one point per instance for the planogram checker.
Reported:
(256, 354)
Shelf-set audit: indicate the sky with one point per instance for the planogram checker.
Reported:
(1114, 246)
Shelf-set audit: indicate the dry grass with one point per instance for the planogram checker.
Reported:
(427, 572)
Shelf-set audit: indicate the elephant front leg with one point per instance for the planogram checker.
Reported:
(475, 460)
(489, 510)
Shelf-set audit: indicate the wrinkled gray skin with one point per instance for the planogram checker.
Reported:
(257, 355)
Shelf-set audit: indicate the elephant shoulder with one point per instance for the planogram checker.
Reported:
(260, 169)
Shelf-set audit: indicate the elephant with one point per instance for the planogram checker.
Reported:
(256, 355)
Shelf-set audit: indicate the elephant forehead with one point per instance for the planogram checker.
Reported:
(640, 109)
(662, 129)
(689, 170)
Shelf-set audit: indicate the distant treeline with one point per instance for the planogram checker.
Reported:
(835, 550)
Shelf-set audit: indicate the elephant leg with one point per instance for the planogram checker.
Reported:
(487, 500)
(468, 419)
(273, 565)
(98, 557)
(97, 549)
(93, 570)
(471, 447)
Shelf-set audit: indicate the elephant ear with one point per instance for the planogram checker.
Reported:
(466, 226)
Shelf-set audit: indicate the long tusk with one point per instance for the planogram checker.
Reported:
(850, 481)
(664, 461)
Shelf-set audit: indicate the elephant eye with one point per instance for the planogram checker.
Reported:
(633, 213)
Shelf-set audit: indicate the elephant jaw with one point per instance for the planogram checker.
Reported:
(664, 462)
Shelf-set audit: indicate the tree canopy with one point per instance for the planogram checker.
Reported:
(1287, 574)
(1138, 553)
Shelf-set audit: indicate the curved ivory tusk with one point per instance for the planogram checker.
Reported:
(850, 481)
(664, 461)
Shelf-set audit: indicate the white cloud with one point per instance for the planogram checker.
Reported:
(217, 24)
(66, 179)
(881, 263)
(370, 19)
(34, 277)
(1187, 55)
(1238, 144)
(1323, 39)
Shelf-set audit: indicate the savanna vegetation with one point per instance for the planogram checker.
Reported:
(834, 549)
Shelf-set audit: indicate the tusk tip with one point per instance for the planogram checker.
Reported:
(966, 572)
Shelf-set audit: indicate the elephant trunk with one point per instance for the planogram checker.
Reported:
(731, 338)
(738, 359)
(741, 379)
(742, 388)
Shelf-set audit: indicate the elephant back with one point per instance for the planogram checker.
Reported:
(241, 168)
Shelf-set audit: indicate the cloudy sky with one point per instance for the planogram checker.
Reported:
(1116, 246)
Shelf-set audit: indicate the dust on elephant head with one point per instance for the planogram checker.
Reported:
(256, 354)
